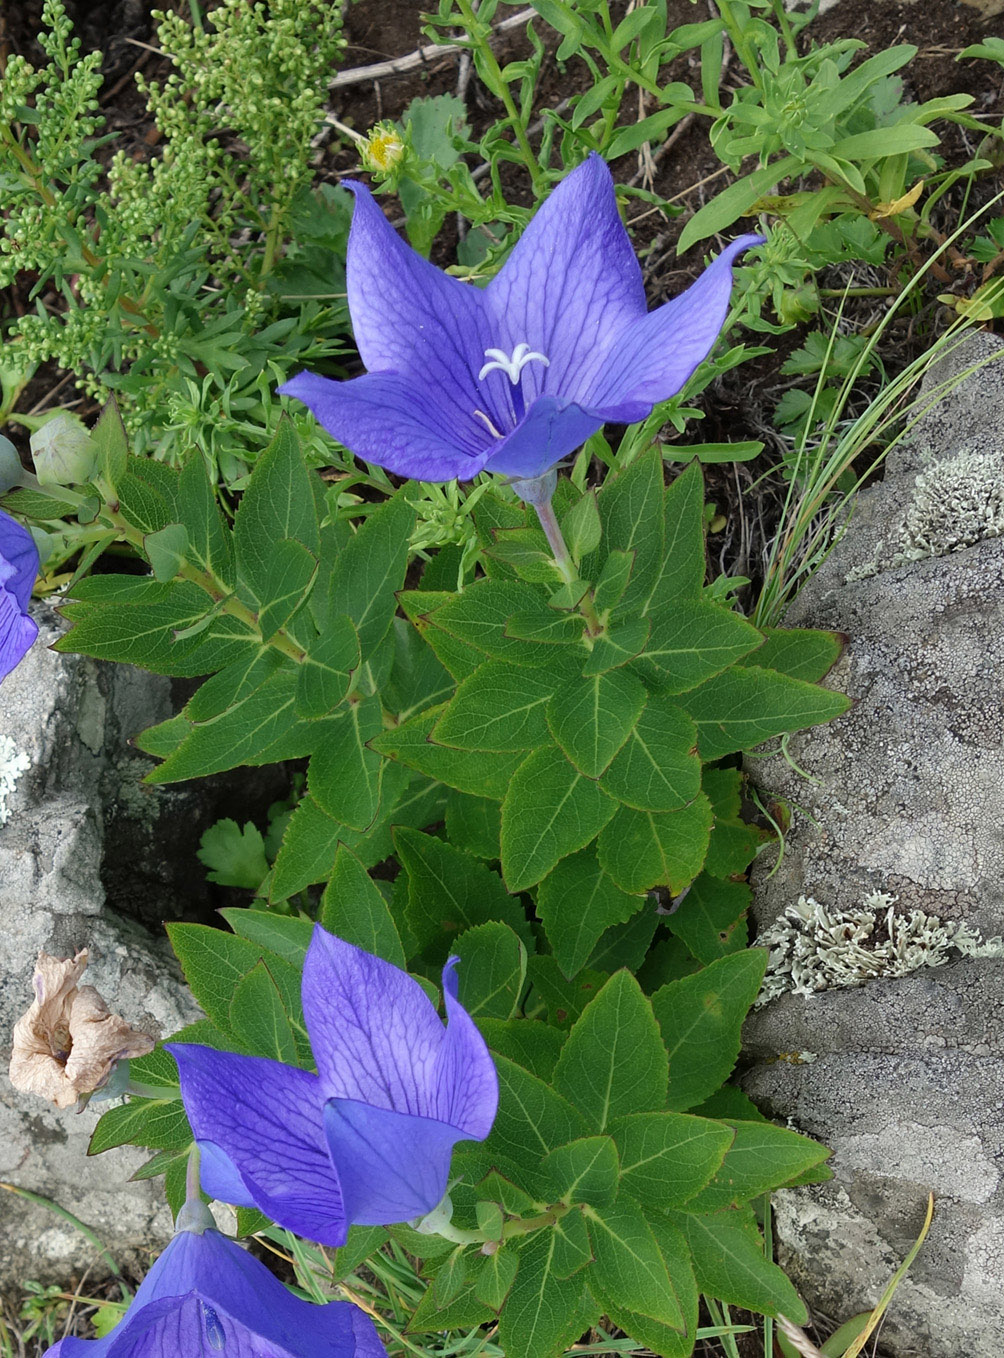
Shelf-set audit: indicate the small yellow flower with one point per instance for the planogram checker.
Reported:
(384, 149)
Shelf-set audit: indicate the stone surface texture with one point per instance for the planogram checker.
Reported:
(905, 795)
(73, 799)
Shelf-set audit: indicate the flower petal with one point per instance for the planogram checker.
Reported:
(408, 316)
(550, 430)
(373, 1030)
(392, 1166)
(653, 358)
(17, 631)
(383, 418)
(570, 286)
(267, 1119)
(465, 1072)
(19, 555)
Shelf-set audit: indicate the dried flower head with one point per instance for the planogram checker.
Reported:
(67, 1043)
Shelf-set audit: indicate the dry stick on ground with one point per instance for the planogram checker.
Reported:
(359, 75)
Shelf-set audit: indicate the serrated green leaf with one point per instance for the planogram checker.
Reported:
(626, 945)
(327, 672)
(580, 527)
(278, 502)
(353, 908)
(529, 1043)
(586, 1170)
(362, 1242)
(592, 716)
(643, 849)
(629, 1264)
(662, 1339)
(619, 644)
(474, 824)
(729, 1264)
(458, 657)
(682, 567)
(668, 1158)
(281, 585)
(478, 617)
(232, 685)
(564, 999)
(576, 902)
(550, 810)
(543, 1313)
(147, 495)
(613, 580)
(166, 550)
(111, 445)
(494, 1276)
(762, 1157)
(466, 770)
(157, 1123)
(256, 1013)
(532, 1118)
(747, 704)
(370, 569)
(417, 679)
(572, 1247)
(658, 768)
(798, 652)
(691, 642)
(631, 511)
(499, 707)
(234, 855)
(286, 935)
(711, 918)
(214, 963)
(450, 1277)
(449, 891)
(465, 1311)
(701, 1018)
(492, 970)
(614, 1061)
(210, 543)
(344, 773)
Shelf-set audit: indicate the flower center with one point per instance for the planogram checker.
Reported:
(511, 364)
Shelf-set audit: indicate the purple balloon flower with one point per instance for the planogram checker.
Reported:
(367, 1139)
(18, 569)
(513, 377)
(205, 1295)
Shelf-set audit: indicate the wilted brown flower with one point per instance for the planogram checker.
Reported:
(67, 1043)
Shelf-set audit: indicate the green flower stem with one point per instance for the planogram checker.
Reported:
(552, 531)
(527, 1225)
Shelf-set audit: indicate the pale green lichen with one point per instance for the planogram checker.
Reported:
(814, 947)
(12, 765)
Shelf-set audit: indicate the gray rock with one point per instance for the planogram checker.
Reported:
(65, 772)
(905, 799)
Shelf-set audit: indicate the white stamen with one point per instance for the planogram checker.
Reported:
(482, 416)
(514, 365)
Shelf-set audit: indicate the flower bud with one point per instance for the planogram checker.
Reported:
(63, 452)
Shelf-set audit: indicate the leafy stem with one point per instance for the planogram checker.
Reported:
(565, 564)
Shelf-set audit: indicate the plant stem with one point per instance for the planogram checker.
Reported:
(565, 564)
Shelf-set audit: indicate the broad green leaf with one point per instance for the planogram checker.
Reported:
(499, 707)
(667, 1158)
(307, 854)
(449, 1279)
(580, 526)
(466, 1310)
(344, 773)
(277, 504)
(530, 1043)
(627, 944)
(733, 842)
(614, 1061)
(532, 1118)
(458, 657)
(662, 1339)
(474, 824)
(761, 1158)
(701, 1017)
(370, 569)
(147, 495)
(167, 550)
(209, 540)
(729, 1264)
(362, 1242)
(613, 580)
(326, 675)
(563, 999)
(669, 960)
(682, 568)
(257, 1015)
(158, 1123)
(353, 908)
(586, 1170)
(417, 679)
(232, 685)
(658, 768)
(592, 716)
(234, 855)
(643, 849)
(478, 617)
(550, 810)
(619, 644)
(576, 902)
(466, 770)
(691, 642)
(492, 970)
(798, 652)
(746, 705)
(111, 445)
(629, 1264)
(572, 1247)
(286, 935)
(494, 1275)
(282, 586)
(543, 1313)
(711, 918)
(631, 511)
(449, 891)
(550, 627)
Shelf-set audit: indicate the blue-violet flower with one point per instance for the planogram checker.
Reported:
(18, 569)
(367, 1139)
(513, 377)
(205, 1295)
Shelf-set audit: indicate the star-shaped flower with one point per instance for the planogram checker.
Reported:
(18, 569)
(513, 377)
(367, 1139)
(205, 1295)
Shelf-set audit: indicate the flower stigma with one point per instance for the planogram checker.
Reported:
(512, 365)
